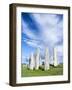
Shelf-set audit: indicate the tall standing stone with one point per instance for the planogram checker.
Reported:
(55, 57)
(46, 59)
(37, 57)
(31, 61)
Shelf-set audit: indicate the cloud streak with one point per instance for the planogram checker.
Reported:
(50, 28)
(49, 31)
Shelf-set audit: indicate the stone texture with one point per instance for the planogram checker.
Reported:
(46, 59)
(34, 61)
(37, 59)
(31, 61)
(55, 57)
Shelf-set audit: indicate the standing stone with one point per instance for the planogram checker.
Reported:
(31, 61)
(55, 57)
(46, 59)
(37, 57)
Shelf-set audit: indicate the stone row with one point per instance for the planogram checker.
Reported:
(35, 59)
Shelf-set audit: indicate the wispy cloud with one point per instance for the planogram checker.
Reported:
(50, 28)
(49, 32)
(34, 43)
(26, 30)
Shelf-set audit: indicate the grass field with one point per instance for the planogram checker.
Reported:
(25, 72)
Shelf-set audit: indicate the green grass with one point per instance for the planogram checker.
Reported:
(25, 72)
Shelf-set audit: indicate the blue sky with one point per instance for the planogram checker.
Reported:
(41, 30)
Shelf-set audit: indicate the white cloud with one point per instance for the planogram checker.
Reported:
(34, 43)
(50, 27)
(60, 50)
(27, 31)
(51, 30)
(45, 19)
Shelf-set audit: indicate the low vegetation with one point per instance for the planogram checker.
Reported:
(25, 72)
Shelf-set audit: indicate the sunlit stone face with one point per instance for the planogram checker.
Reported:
(55, 57)
(32, 61)
(46, 59)
(37, 59)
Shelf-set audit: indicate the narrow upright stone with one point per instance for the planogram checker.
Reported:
(55, 57)
(31, 61)
(37, 57)
(46, 59)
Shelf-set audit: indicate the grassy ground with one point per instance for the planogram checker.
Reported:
(52, 71)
